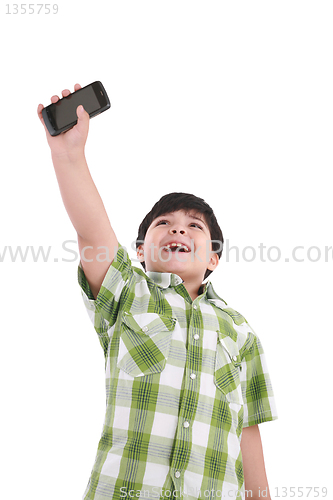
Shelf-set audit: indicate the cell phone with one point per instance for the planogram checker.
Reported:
(61, 116)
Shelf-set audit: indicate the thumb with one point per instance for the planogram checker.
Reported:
(82, 119)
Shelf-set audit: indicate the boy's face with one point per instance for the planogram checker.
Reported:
(179, 243)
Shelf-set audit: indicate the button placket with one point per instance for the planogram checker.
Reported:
(188, 405)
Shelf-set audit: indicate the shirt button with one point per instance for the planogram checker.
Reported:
(177, 474)
(145, 329)
(186, 424)
(192, 376)
(194, 307)
(196, 336)
(234, 358)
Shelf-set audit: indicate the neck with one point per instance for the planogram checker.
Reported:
(194, 289)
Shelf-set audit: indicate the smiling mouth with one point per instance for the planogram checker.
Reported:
(173, 247)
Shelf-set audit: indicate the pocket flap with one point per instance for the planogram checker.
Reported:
(227, 368)
(231, 348)
(148, 323)
(144, 343)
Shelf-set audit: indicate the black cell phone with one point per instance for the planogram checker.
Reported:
(61, 116)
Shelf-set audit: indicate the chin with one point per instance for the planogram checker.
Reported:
(174, 269)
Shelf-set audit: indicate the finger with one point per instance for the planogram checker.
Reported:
(81, 113)
(54, 99)
(77, 86)
(82, 120)
(65, 93)
(39, 112)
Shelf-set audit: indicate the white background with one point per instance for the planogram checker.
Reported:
(230, 101)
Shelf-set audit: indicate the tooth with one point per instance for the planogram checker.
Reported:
(178, 245)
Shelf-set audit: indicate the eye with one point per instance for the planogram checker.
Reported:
(163, 221)
(195, 225)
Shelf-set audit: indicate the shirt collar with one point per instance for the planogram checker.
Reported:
(212, 296)
(164, 280)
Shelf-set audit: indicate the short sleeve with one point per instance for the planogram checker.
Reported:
(103, 311)
(257, 391)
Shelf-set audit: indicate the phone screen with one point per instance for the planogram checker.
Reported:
(64, 111)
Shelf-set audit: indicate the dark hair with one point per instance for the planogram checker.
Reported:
(183, 201)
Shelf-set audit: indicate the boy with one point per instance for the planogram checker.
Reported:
(186, 380)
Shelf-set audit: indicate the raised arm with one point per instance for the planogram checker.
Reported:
(81, 198)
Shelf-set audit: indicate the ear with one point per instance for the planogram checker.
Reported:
(140, 253)
(213, 261)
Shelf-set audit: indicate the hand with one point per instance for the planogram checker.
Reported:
(71, 143)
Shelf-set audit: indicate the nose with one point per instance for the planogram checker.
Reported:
(173, 230)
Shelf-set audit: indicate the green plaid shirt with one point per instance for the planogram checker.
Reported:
(183, 378)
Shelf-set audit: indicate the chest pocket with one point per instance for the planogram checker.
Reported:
(227, 369)
(144, 343)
